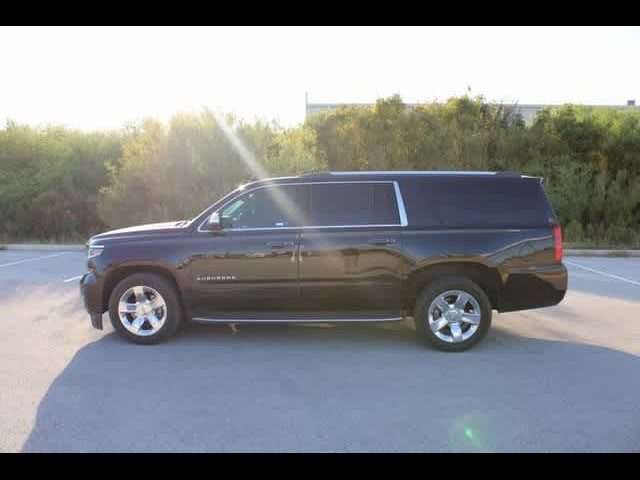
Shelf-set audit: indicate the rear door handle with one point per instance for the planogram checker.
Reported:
(279, 245)
(381, 241)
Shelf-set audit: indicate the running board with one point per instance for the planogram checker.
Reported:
(300, 318)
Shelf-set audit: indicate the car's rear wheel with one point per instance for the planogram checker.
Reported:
(144, 308)
(452, 314)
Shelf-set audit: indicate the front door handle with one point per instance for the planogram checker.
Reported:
(381, 241)
(279, 245)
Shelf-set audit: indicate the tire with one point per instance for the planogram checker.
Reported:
(145, 325)
(458, 330)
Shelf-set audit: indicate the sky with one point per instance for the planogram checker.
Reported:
(101, 77)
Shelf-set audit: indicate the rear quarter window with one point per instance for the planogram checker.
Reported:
(476, 203)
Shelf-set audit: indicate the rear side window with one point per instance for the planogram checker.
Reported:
(476, 203)
(344, 204)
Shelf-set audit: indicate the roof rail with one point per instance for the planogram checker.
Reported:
(502, 174)
(508, 173)
(418, 172)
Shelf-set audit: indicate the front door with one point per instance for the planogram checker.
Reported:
(251, 265)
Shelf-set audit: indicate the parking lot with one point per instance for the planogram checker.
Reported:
(565, 378)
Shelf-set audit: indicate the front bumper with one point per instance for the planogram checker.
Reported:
(92, 298)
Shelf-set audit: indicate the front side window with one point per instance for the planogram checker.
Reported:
(268, 207)
(353, 204)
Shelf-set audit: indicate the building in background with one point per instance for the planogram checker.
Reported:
(528, 112)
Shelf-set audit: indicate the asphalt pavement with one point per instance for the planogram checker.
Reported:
(564, 378)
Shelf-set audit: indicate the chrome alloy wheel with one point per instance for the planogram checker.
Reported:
(142, 310)
(454, 316)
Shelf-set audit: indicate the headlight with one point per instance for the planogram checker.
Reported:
(94, 250)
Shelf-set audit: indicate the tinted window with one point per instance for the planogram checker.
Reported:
(339, 204)
(385, 206)
(476, 202)
(269, 207)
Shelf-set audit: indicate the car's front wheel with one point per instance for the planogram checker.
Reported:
(144, 308)
(452, 314)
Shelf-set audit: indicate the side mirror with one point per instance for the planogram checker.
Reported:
(215, 222)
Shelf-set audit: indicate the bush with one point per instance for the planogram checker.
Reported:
(573, 232)
(57, 183)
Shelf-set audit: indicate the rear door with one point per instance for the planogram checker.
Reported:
(350, 251)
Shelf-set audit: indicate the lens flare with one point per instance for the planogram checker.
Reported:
(258, 171)
(470, 433)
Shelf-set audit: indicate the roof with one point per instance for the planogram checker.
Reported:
(379, 175)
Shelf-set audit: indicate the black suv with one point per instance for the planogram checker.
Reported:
(445, 248)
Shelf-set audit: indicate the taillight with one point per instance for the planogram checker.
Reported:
(557, 240)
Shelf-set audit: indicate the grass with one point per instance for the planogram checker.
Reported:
(596, 245)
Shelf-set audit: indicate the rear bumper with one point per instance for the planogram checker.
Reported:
(92, 298)
(534, 287)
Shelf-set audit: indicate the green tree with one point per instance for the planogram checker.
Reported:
(62, 184)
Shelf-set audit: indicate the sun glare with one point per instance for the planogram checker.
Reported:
(258, 172)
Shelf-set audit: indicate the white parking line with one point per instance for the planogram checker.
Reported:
(633, 282)
(33, 259)
(72, 279)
